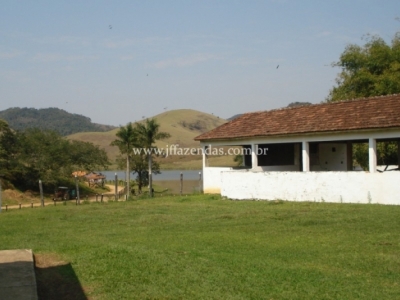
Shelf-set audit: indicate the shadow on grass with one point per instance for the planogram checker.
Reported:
(16, 280)
(58, 282)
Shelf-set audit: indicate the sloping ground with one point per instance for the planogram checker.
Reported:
(183, 125)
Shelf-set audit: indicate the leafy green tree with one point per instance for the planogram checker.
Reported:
(238, 159)
(50, 119)
(8, 151)
(87, 156)
(43, 155)
(140, 167)
(126, 140)
(48, 156)
(147, 134)
(369, 70)
(296, 104)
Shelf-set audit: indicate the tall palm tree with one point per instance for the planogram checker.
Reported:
(126, 140)
(147, 134)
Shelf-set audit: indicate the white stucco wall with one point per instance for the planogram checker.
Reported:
(341, 187)
(212, 179)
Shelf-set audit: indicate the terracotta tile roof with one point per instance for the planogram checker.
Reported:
(94, 175)
(366, 113)
(79, 173)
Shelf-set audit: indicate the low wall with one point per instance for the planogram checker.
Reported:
(341, 187)
(212, 179)
(277, 168)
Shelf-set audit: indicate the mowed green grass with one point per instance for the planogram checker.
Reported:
(205, 247)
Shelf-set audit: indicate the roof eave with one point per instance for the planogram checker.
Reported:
(328, 132)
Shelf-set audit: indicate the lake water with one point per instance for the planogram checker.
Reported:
(165, 175)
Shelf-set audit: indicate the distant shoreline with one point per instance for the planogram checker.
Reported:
(165, 174)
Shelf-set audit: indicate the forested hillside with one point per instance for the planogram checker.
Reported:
(183, 125)
(52, 118)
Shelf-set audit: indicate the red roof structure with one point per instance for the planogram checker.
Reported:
(94, 175)
(381, 112)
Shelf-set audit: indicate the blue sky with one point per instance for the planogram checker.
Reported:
(117, 61)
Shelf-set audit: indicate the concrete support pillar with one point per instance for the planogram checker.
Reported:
(306, 156)
(205, 158)
(372, 155)
(254, 160)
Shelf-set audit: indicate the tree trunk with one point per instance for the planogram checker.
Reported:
(150, 177)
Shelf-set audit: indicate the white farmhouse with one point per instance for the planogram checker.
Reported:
(305, 153)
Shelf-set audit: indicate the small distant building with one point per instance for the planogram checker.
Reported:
(94, 179)
(305, 153)
(79, 173)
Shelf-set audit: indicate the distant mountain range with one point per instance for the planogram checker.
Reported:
(52, 118)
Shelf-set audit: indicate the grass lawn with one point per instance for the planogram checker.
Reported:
(205, 247)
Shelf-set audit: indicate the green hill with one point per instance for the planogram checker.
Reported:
(183, 125)
(52, 118)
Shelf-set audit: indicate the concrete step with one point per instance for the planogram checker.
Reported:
(17, 275)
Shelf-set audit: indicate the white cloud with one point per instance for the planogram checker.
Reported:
(123, 43)
(324, 34)
(127, 57)
(73, 40)
(10, 54)
(15, 76)
(118, 43)
(53, 57)
(185, 61)
(63, 40)
(245, 62)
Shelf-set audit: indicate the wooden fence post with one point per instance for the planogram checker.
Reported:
(0, 191)
(41, 193)
(200, 187)
(116, 187)
(77, 190)
(181, 180)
